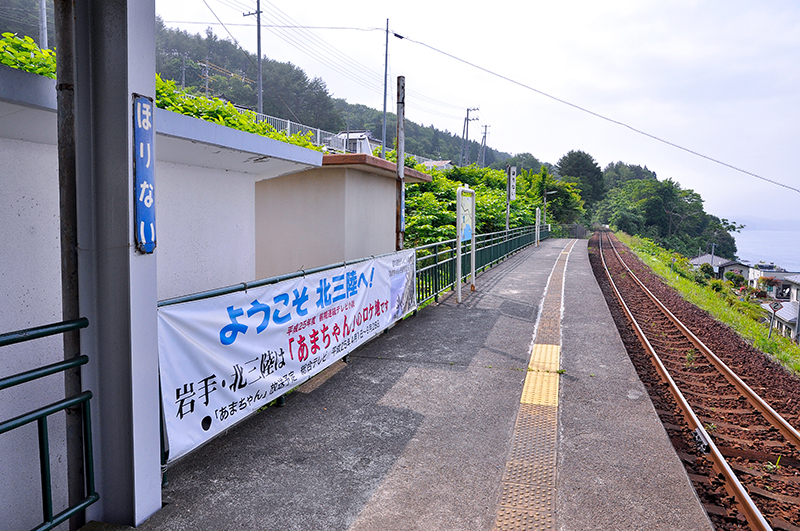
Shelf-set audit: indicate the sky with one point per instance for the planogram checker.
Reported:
(720, 78)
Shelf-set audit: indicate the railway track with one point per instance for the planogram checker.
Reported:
(741, 455)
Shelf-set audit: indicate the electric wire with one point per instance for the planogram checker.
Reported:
(299, 37)
(598, 115)
(321, 49)
(249, 58)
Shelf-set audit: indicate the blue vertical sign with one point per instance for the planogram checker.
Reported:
(144, 208)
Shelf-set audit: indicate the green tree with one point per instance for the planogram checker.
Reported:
(618, 173)
(580, 168)
(523, 161)
(288, 92)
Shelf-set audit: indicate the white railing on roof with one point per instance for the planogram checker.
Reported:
(331, 141)
(318, 136)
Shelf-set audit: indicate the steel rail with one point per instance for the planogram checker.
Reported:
(732, 483)
(772, 416)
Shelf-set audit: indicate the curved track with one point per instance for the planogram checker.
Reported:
(737, 436)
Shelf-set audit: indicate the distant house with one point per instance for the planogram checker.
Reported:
(786, 318)
(721, 265)
(438, 164)
(774, 281)
(359, 141)
(794, 282)
(734, 266)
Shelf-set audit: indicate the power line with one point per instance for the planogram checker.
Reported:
(248, 57)
(597, 115)
(298, 36)
(278, 26)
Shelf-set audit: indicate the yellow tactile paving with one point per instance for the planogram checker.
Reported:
(541, 389)
(545, 357)
(528, 499)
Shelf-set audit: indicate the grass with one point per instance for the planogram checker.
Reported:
(723, 305)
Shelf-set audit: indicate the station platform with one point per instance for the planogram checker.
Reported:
(516, 409)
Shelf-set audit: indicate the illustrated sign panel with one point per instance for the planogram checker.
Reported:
(223, 358)
(465, 211)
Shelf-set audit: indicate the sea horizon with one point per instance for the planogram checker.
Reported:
(780, 247)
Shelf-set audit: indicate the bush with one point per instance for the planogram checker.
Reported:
(700, 278)
(717, 285)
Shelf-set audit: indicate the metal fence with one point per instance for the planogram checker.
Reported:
(572, 230)
(40, 416)
(436, 262)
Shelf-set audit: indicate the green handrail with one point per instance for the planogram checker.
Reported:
(436, 261)
(40, 417)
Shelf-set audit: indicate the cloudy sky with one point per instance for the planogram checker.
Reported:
(720, 78)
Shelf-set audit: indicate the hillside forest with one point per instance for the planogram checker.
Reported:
(625, 196)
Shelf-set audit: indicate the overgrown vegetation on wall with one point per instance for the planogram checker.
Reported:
(24, 54)
(215, 110)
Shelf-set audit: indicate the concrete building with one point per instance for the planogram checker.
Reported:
(210, 200)
(343, 210)
(772, 279)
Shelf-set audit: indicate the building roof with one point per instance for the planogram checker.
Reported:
(706, 259)
(733, 262)
(365, 162)
(795, 279)
(787, 314)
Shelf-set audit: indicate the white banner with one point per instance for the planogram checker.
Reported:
(223, 358)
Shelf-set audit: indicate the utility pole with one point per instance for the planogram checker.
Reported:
(713, 248)
(465, 139)
(385, 84)
(400, 221)
(183, 72)
(43, 24)
(482, 152)
(257, 13)
(205, 73)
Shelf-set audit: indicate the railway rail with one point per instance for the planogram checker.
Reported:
(741, 455)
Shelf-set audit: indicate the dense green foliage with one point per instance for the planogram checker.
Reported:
(221, 112)
(431, 207)
(664, 212)
(618, 173)
(581, 169)
(523, 161)
(23, 53)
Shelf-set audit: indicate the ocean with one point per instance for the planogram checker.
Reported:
(781, 247)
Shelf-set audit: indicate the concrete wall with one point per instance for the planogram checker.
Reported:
(205, 203)
(206, 229)
(370, 215)
(30, 295)
(322, 216)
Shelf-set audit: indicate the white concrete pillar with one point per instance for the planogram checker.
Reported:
(115, 58)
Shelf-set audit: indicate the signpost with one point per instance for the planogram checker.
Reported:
(775, 306)
(144, 163)
(511, 189)
(465, 231)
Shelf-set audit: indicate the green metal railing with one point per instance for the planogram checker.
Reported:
(436, 262)
(40, 416)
